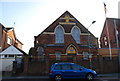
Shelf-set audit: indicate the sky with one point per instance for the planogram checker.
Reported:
(31, 17)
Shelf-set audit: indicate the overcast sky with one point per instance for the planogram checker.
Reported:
(31, 17)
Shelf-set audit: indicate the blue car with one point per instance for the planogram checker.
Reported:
(60, 71)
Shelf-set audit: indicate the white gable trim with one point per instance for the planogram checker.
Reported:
(11, 50)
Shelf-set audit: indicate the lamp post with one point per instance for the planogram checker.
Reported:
(90, 56)
(91, 24)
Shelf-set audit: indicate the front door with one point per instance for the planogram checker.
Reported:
(71, 51)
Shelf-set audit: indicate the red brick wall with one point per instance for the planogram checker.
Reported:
(111, 30)
(11, 34)
(4, 40)
(68, 39)
(47, 37)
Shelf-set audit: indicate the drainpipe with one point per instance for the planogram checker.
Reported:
(117, 42)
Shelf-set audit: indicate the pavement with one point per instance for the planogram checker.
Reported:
(27, 77)
(99, 76)
(109, 76)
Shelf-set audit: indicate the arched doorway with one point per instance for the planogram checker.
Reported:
(71, 52)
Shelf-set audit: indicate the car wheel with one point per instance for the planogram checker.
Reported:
(58, 78)
(89, 77)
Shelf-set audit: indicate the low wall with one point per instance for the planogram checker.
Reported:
(42, 67)
(110, 66)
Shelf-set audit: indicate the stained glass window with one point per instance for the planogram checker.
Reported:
(59, 35)
(76, 34)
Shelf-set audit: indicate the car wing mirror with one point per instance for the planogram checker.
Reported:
(81, 69)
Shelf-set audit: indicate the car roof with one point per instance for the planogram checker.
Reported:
(63, 63)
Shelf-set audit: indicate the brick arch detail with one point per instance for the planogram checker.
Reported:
(74, 48)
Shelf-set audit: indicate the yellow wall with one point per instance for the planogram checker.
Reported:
(105, 52)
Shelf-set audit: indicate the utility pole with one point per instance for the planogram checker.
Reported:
(108, 36)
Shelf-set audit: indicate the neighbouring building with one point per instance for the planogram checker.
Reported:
(110, 38)
(66, 39)
(10, 48)
(110, 45)
(8, 37)
(113, 27)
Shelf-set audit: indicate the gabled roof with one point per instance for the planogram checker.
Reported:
(67, 27)
(9, 28)
(19, 41)
(13, 50)
(3, 27)
(24, 53)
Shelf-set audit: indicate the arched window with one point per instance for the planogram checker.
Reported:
(59, 33)
(40, 51)
(76, 34)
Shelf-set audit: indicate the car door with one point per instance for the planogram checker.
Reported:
(67, 72)
(78, 71)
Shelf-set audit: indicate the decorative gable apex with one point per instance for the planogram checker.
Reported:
(67, 21)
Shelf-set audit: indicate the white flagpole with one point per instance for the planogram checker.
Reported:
(106, 24)
(109, 44)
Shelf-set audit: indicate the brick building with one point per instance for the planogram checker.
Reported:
(110, 38)
(10, 49)
(8, 37)
(109, 45)
(114, 33)
(65, 39)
